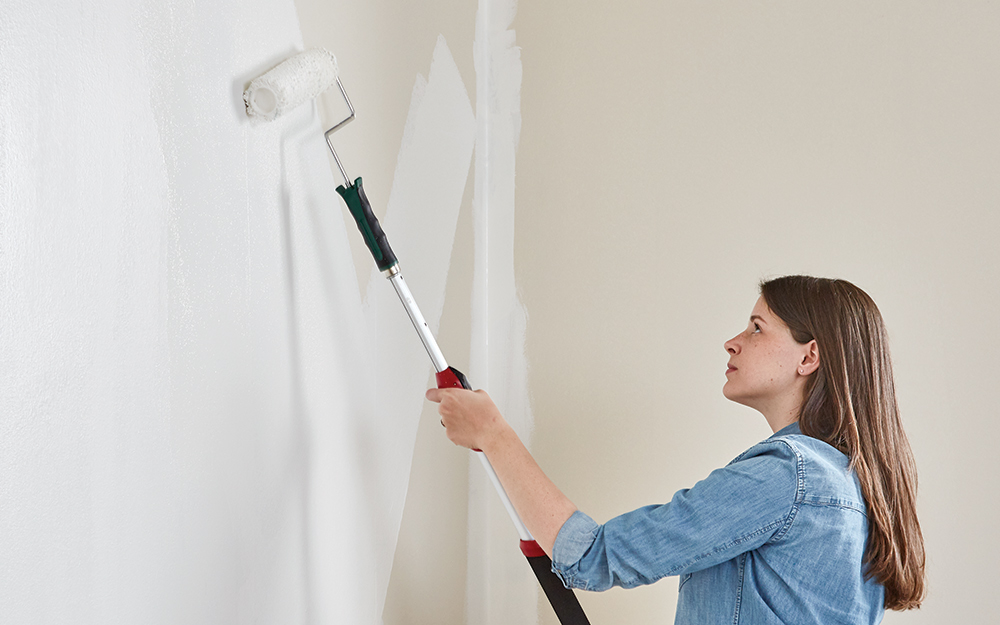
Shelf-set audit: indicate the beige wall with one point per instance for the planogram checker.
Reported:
(672, 154)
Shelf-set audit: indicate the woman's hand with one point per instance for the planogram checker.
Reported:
(470, 417)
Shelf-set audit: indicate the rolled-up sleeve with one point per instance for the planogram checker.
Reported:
(575, 539)
(735, 509)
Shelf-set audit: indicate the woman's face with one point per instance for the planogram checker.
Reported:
(767, 368)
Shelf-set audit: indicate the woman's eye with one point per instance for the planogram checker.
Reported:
(756, 328)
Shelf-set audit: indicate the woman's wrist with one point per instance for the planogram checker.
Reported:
(498, 438)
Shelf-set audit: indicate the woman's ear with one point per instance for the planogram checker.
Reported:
(810, 358)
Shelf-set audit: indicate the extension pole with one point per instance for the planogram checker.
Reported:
(562, 599)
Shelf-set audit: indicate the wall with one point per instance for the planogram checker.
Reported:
(210, 399)
(201, 418)
(210, 406)
(672, 155)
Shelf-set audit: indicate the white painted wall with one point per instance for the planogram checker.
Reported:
(199, 420)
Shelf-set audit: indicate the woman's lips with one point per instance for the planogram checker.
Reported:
(730, 369)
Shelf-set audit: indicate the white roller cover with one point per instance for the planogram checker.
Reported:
(290, 83)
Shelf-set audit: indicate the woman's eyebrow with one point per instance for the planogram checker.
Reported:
(757, 317)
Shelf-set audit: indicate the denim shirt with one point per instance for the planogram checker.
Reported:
(776, 536)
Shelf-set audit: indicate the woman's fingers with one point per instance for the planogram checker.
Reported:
(467, 415)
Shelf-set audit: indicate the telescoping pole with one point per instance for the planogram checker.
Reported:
(562, 599)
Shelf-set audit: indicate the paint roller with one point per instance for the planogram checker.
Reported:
(295, 81)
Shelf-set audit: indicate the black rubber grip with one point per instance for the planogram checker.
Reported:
(563, 601)
(375, 239)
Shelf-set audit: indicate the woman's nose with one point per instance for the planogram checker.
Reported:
(732, 346)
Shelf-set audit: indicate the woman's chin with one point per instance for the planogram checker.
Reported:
(733, 395)
(729, 392)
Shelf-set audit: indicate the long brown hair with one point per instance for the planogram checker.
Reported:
(850, 403)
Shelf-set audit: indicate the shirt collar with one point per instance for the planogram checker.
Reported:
(791, 428)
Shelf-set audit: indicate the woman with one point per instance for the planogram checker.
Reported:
(816, 524)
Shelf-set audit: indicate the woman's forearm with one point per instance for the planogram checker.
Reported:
(542, 506)
(473, 420)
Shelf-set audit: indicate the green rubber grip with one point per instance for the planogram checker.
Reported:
(375, 239)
